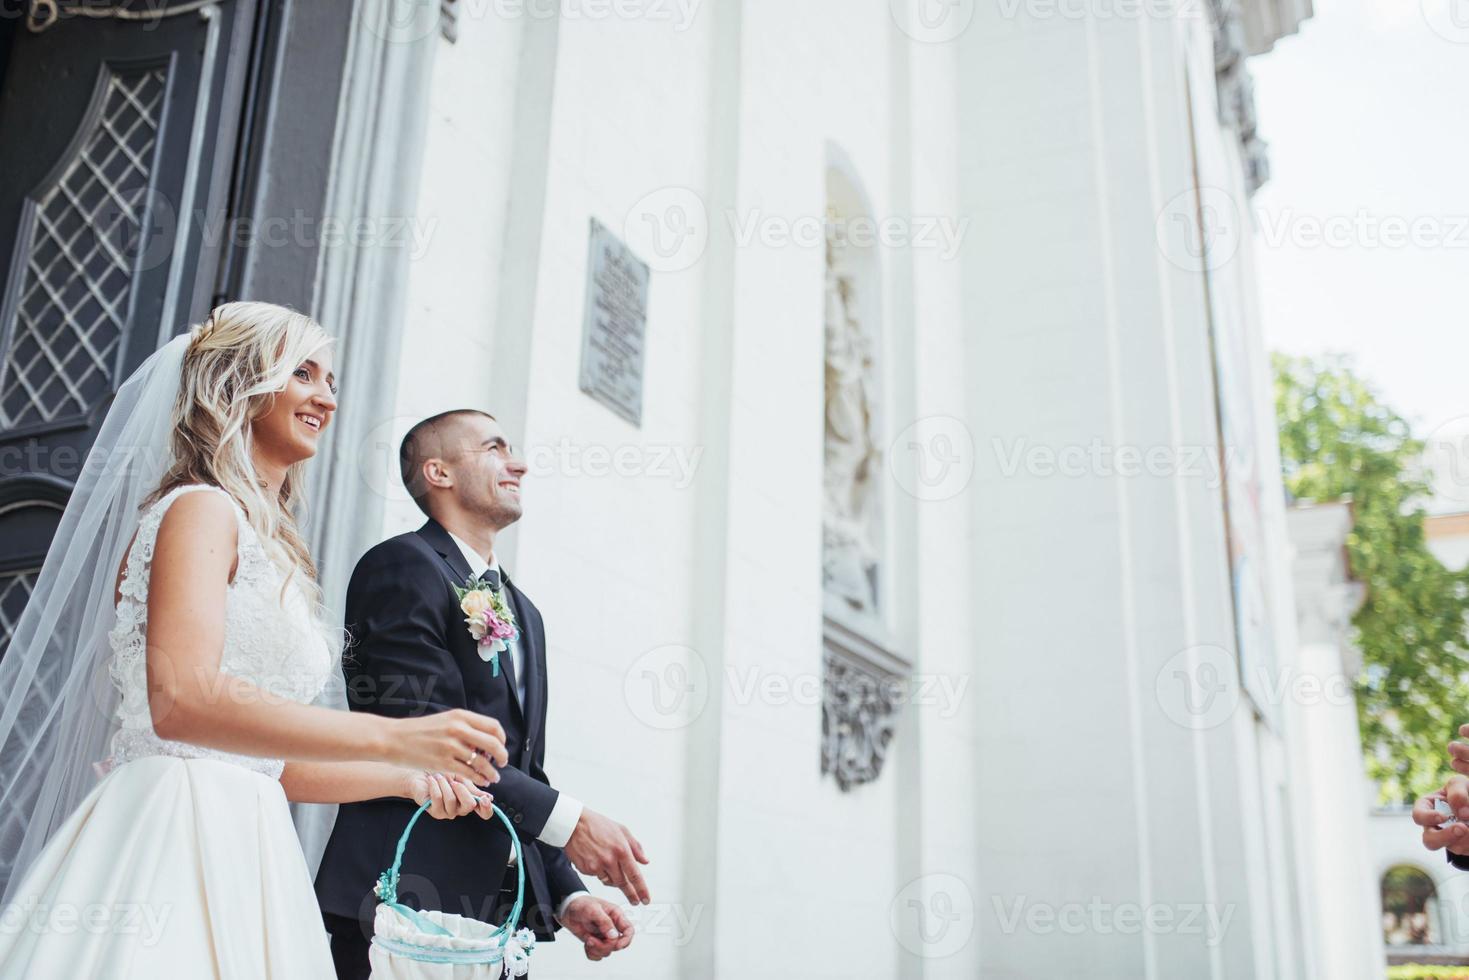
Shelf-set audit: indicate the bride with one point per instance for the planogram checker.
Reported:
(177, 625)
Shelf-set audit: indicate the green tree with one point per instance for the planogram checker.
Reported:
(1337, 441)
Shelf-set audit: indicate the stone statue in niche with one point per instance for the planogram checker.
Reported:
(853, 460)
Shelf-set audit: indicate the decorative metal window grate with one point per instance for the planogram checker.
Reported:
(73, 303)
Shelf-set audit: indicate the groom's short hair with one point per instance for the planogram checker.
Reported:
(426, 441)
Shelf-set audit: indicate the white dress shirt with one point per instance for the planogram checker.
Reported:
(567, 810)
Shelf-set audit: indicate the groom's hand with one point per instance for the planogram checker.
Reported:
(1459, 753)
(1454, 837)
(599, 924)
(608, 851)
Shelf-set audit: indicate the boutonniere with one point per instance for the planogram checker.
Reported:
(489, 619)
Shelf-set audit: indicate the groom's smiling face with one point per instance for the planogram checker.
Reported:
(486, 470)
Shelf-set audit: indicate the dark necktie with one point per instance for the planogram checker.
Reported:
(491, 578)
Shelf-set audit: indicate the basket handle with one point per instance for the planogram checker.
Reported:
(388, 881)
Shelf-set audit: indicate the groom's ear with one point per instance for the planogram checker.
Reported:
(434, 472)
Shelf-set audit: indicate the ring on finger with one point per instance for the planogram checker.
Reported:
(472, 756)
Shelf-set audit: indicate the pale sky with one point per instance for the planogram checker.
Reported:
(1366, 111)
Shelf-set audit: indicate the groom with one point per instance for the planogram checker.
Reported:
(412, 653)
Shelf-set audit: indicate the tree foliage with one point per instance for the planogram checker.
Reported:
(1338, 441)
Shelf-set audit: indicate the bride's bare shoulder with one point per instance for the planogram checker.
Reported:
(196, 531)
(198, 534)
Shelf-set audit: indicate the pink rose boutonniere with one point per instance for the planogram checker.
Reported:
(489, 619)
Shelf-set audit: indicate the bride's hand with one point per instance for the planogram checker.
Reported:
(456, 743)
(449, 796)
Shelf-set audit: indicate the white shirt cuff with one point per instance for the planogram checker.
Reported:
(562, 821)
(561, 909)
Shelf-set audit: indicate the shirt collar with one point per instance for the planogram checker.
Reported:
(477, 565)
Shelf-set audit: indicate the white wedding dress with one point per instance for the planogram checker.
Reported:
(183, 861)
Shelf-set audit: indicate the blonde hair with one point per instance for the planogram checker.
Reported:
(237, 361)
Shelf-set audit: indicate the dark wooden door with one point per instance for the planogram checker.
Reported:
(115, 145)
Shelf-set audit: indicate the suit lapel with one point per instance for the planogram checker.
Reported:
(435, 534)
(530, 646)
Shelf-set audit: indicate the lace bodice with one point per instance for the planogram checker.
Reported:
(279, 646)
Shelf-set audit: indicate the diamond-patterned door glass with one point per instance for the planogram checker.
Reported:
(15, 591)
(74, 297)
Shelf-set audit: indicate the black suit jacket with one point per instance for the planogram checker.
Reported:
(411, 654)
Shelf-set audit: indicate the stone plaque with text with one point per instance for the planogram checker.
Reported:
(613, 330)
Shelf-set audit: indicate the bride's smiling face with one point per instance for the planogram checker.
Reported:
(299, 415)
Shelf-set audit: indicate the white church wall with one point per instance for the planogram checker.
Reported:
(940, 898)
(1086, 334)
(1058, 777)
